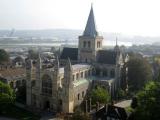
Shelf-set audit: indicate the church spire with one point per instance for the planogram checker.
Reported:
(90, 29)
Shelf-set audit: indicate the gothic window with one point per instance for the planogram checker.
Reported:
(73, 77)
(46, 85)
(97, 71)
(98, 44)
(33, 99)
(105, 73)
(77, 76)
(83, 94)
(86, 60)
(86, 74)
(84, 44)
(78, 96)
(112, 73)
(81, 74)
(89, 44)
(93, 71)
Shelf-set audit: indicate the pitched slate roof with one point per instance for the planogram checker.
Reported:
(111, 112)
(90, 29)
(106, 57)
(71, 53)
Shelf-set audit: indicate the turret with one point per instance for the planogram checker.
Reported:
(29, 70)
(68, 91)
(56, 77)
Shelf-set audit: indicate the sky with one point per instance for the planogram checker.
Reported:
(130, 17)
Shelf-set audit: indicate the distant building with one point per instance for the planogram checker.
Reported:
(64, 86)
(13, 76)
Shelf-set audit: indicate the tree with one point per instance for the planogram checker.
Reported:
(99, 95)
(4, 56)
(121, 94)
(148, 102)
(139, 72)
(33, 54)
(7, 96)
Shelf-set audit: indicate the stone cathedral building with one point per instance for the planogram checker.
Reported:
(75, 72)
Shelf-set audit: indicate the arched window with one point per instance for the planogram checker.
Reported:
(46, 85)
(112, 73)
(86, 74)
(105, 72)
(89, 44)
(97, 71)
(83, 94)
(81, 74)
(98, 44)
(84, 44)
(78, 96)
(86, 60)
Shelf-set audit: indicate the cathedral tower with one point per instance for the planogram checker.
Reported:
(90, 42)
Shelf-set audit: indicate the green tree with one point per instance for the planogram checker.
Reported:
(7, 96)
(100, 95)
(148, 102)
(33, 54)
(121, 94)
(4, 56)
(139, 72)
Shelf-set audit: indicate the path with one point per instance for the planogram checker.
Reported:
(123, 104)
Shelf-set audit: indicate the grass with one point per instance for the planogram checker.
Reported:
(129, 109)
(19, 113)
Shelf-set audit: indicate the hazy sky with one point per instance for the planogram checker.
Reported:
(132, 17)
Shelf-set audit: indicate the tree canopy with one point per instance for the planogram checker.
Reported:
(4, 56)
(139, 72)
(100, 95)
(7, 95)
(148, 102)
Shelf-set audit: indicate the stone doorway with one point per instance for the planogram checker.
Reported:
(59, 107)
(46, 105)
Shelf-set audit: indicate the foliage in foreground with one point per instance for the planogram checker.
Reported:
(148, 102)
(7, 96)
(100, 95)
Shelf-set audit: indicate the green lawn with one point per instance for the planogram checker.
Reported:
(19, 113)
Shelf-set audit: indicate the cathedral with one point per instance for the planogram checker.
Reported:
(76, 71)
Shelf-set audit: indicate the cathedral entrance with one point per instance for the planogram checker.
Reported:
(46, 105)
(59, 107)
